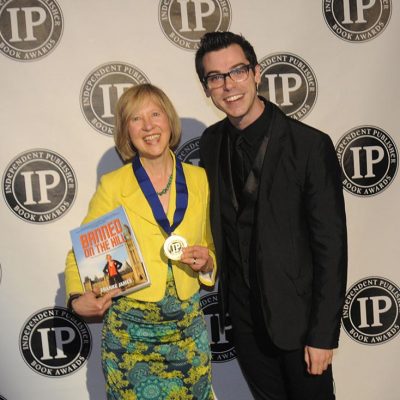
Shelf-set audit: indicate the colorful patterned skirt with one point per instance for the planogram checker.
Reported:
(156, 351)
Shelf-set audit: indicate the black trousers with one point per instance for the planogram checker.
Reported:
(272, 373)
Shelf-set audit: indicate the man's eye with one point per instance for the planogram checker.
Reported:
(238, 71)
(215, 78)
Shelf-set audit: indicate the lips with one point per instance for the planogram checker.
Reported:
(150, 138)
(231, 99)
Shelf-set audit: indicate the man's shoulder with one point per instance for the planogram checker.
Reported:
(295, 126)
(215, 128)
(303, 134)
(304, 129)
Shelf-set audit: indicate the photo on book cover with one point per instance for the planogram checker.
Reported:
(108, 254)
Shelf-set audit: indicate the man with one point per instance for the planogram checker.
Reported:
(279, 228)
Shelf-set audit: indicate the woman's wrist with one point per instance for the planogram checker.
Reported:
(208, 266)
(71, 299)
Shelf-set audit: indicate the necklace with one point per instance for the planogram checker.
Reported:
(165, 190)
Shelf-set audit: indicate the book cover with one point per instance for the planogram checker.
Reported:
(108, 254)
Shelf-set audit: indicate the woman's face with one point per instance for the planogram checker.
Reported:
(149, 130)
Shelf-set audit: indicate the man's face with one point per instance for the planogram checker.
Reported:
(238, 100)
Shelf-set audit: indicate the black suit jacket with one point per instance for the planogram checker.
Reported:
(301, 232)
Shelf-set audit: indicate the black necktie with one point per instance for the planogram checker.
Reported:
(238, 166)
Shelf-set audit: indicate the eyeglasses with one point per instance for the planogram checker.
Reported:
(237, 74)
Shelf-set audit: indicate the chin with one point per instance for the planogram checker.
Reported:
(235, 115)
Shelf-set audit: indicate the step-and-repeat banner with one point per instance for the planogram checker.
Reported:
(63, 64)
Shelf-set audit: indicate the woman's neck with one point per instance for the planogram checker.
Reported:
(158, 168)
(159, 171)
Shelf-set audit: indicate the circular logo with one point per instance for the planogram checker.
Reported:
(189, 152)
(30, 31)
(173, 247)
(39, 186)
(357, 21)
(222, 349)
(371, 313)
(368, 158)
(102, 89)
(185, 22)
(55, 342)
(289, 82)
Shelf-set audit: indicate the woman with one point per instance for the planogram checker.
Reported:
(154, 341)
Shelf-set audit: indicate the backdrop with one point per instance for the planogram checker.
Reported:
(63, 64)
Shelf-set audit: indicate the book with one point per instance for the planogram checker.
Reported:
(108, 254)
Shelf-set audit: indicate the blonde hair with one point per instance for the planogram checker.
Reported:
(133, 98)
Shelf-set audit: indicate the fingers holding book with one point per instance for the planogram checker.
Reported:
(90, 305)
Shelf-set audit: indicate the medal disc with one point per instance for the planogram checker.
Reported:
(173, 247)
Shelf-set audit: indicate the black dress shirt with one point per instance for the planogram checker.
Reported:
(244, 146)
(241, 146)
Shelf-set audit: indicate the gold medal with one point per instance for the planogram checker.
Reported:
(173, 247)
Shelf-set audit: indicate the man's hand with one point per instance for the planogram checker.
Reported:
(89, 305)
(317, 360)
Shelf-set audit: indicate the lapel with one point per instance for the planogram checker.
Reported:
(278, 139)
(210, 148)
(134, 201)
(211, 153)
(248, 195)
(250, 191)
(225, 164)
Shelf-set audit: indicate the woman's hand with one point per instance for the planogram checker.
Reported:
(198, 258)
(89, 305)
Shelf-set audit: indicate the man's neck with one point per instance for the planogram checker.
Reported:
(247, 119)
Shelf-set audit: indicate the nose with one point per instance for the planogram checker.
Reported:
(228, 82)
(147, 123)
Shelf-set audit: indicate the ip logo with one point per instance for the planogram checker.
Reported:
(357, 20)
(29, 30)
(289, 82)
(371, 313)
(101, 90)
(39, 186)
(54, 342)
(184, 22)
(222, 349)
(369, 159)
(189, 152)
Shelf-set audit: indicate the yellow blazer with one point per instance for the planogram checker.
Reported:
(120, 187)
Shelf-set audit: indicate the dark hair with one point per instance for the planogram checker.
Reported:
(213, 41)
